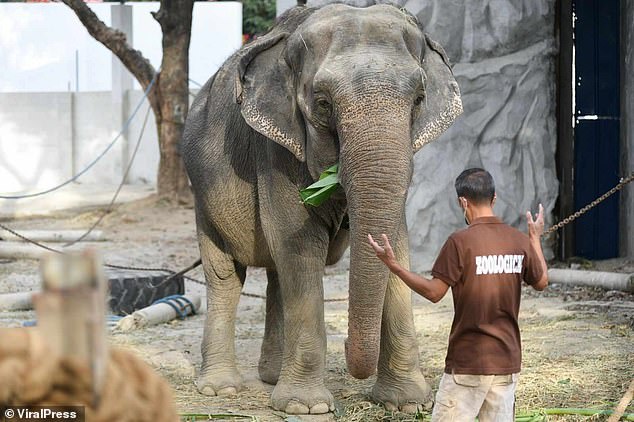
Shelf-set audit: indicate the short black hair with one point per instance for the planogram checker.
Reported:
(476, 185)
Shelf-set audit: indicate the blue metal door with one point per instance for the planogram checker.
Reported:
(596, 131)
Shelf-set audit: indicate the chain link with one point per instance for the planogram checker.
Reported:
(570, 218)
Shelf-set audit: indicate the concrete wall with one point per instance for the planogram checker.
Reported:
(144, 168)
(505, 66)
(504, 53)
(92, 133)
(46, 138)
(627, 126)
(44, 47)
(35, 139)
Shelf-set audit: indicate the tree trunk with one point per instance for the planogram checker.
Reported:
(175, 18)
(169, 95)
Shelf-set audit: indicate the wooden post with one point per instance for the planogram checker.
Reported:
(71, 311)
(565, 135)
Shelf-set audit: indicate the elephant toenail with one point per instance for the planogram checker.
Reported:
(390, 406)
(318, 409)
(409, 408)
(296, 408)
(227, 391)
(208, 391)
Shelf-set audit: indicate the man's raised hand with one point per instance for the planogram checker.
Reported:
(385, 252)
(536, 226)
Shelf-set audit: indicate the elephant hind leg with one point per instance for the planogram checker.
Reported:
(225, 277)
(272, 346)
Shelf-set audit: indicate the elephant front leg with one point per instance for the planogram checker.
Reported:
(219, 374)
(300, 388)
(400, 384)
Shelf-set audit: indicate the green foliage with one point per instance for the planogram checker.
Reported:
(321, 190)
(257, 16)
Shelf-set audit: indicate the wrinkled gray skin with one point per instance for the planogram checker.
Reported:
(362, 87)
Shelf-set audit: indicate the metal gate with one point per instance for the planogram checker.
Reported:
(596, 130)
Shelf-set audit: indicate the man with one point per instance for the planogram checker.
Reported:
(484, 265)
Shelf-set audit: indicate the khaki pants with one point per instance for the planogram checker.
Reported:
(463, 397)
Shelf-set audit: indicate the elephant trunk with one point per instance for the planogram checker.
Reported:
(376, 168)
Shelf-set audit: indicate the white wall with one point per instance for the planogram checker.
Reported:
(35, 139)
(39, 43)
(48, 134)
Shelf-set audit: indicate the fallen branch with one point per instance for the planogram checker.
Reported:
(52, 235)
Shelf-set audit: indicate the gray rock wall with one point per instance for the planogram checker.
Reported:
(504, 53)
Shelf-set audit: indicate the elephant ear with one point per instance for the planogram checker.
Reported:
(442, 104)
(266, 93)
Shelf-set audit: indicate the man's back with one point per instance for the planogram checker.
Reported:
(485, 265)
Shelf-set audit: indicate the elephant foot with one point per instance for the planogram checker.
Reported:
(302, 400)
(407, 393)
(269, 368)
(219, 382)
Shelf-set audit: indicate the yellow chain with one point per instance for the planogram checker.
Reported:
(622, 182)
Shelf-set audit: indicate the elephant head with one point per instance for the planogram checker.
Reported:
(366, 88)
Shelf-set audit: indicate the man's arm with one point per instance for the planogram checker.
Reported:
(535, 230)
(433, 290)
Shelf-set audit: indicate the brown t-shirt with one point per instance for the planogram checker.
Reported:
(485, 264)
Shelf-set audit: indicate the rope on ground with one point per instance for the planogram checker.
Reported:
(166, 270)
(26, 239)
(31, 376)
(118, 267)
(89, 166)
(116, 194)
(257, 296)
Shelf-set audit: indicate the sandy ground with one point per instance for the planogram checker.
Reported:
(578, 348)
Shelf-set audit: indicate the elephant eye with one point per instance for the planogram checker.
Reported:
(323, 105)
(323, 111)
(419, 99)
(416, 109)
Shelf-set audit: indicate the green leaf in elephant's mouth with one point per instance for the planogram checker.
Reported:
(321, 190)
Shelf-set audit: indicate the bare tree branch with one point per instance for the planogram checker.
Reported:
(115, 41)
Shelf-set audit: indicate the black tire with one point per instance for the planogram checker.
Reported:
(129, 292)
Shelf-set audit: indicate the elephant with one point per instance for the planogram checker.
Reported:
(362, 87)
